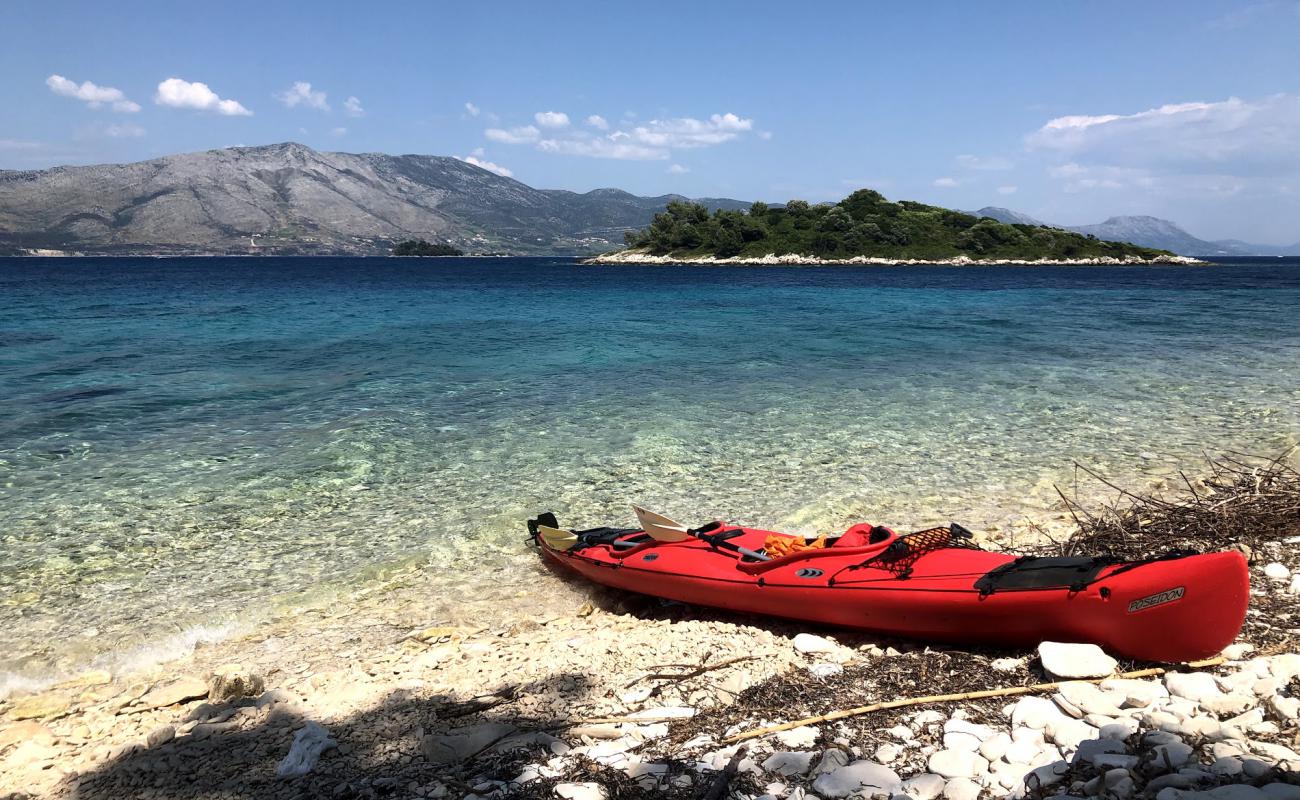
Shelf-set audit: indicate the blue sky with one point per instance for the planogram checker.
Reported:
(1068, 111)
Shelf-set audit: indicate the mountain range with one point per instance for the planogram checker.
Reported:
(288, 198)
(1149, 232)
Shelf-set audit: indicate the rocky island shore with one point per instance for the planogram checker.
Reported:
(793, 259)
(622, 696)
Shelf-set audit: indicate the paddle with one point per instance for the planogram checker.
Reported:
(558, 539)
(663, 529)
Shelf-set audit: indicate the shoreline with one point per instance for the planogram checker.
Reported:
(583, 690)
(794, 259)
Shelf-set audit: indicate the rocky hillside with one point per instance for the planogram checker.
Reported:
(288, 198)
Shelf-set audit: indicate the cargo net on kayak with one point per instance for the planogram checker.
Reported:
(901, 556)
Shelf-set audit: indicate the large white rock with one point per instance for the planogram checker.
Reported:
(1067, 660)
(957, 764)
(808, 643)
(802, 736)
(1135, 693)
(959, 734)
(857, 777)
(788, 763)
(961, 789)
(995, 746)
(1035, 712)
(1088, 698)
(1194, 686)
(925, 786)
(580, 791)
(1277, 572)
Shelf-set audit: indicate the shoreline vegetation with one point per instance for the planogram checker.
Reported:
(863, 228)
(621, 696)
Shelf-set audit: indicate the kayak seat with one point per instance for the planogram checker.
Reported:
(862, 535)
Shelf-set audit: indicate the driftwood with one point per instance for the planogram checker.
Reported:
(949, 698)
(693, 671)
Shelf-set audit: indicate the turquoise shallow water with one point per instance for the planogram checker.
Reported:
(192, 444)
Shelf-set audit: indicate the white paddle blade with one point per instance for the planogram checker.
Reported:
(557, 539)
(660, 528)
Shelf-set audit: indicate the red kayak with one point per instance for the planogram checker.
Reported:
(932, 585)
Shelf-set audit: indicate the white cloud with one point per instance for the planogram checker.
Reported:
(339, 131)
(678, 169)
(552, 119)
(301, 94)
(124, 131)
(687, 132)
(983, 163)
(472, 109)
(352, 107)
(525, 135)
(945, 183)
(606, 147)
(93, 95)
(654, 140)
(1233, 136)
(1007, 189)
(19, 144)
(179, 93)
(487, 165)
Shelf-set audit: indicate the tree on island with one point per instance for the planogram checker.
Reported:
(419, 247)
(863, 224)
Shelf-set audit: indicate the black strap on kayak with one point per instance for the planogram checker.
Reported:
(719, 541)
(1074, 573)
(903, 553)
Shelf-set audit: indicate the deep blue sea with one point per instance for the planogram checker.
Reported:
(195, 444)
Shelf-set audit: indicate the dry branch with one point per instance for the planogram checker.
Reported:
(949, 698)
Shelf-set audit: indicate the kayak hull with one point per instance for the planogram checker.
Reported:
(1177, 609)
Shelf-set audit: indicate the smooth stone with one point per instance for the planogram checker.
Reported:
(1068, 733)
(957, 764)
(580, 791)
(1227, 766)
(1284, 667)
(464, 744)
(1194, 686)
(854, 778)
(1067, 660)
(1228, 705)
(1115, 761)
(961, 789)
(802, 736)
(1035, 712)
(830, 761)
(231, 682)
(178, 691)
(1095, 747)
(888, 752)
(26, 731)
(40, 706)
(1282, 791)
(1238, 651)
(995, 746)
(1171, 756)
(788, 763)
(1285, 707)
(960, 734)
(1275, 751)
(161, 736)
(1047, 775)
(1277, 572)
(1136, 693)
(1088, 698)
(925, 786)
(808, 643)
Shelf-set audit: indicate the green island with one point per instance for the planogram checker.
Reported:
(420, 247)
(863, 225)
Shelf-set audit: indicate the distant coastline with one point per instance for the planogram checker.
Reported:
(792, 259)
